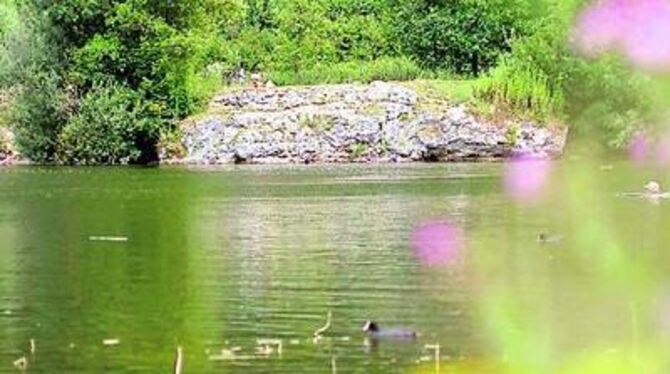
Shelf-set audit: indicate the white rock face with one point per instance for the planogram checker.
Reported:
(379, 122)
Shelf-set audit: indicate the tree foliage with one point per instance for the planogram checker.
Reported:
(71, 61)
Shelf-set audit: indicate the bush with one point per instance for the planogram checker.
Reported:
(110, 128)
(38, 113)
(544, 78)
(464, 36)
(158, 50)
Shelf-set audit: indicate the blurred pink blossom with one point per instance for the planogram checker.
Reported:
(638, 149)
(525, 177)
(663, 312)
(663, 151)
(437, 243)
(639, 28)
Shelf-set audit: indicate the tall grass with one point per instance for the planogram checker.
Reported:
(385, 69)
(520, 90)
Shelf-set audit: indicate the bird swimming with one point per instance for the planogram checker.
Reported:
(545, 238)
(653, 187)
(400, 333)
(654, 192)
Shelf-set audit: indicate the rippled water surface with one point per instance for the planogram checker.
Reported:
(218, 258)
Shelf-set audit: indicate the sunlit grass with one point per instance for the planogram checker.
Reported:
(383, 69)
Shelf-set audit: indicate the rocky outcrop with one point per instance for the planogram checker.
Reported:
(8, 155)
(379, 122)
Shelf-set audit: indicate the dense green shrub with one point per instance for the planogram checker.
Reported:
(292, 35)
(38, 113)
(109, 128)
(157, 49)
(543, 77)
(464, 36)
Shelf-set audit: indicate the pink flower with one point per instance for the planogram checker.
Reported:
(639, 28)
(638, 149)
(437, 243)
(663, 151)
(526, 176)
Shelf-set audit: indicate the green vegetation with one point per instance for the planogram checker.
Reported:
(384, 69)
(317, 122)
(543, 78)
(358, 150)
(80, 71)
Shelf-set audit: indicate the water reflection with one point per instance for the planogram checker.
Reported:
(218, 259)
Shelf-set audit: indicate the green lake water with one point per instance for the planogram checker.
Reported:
(218, 258)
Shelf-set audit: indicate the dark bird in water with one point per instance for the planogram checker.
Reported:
(549, 239)
(375, 332)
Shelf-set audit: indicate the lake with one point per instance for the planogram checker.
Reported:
(213, 259)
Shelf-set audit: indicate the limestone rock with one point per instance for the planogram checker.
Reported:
(379, 122)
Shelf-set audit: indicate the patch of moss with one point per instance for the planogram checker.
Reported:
(358, 149)
(512, 135)
(318, 122)
(171, 144)
(455, 91)
(407, 117)
(373, 109)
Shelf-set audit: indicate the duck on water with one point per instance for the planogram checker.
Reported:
(652, 191)
(373, 331)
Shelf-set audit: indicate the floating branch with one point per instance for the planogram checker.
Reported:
(229, 355)
(32, 346)
(319, 332)
(435, 348)
(179, 361)
(108, 238)
(111, 342)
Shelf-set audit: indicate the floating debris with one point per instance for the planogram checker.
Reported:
(179, 361)
(294, 341)
(7, 312)
(435, 348)
(21, 363)
(320, 331)
(32, 346)
(544, 238)
(111, 342)
(264, 350)
(72, 345)
(108, 238)
(345, 338)
(229, 355)
(333, 365)
(271, 342)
